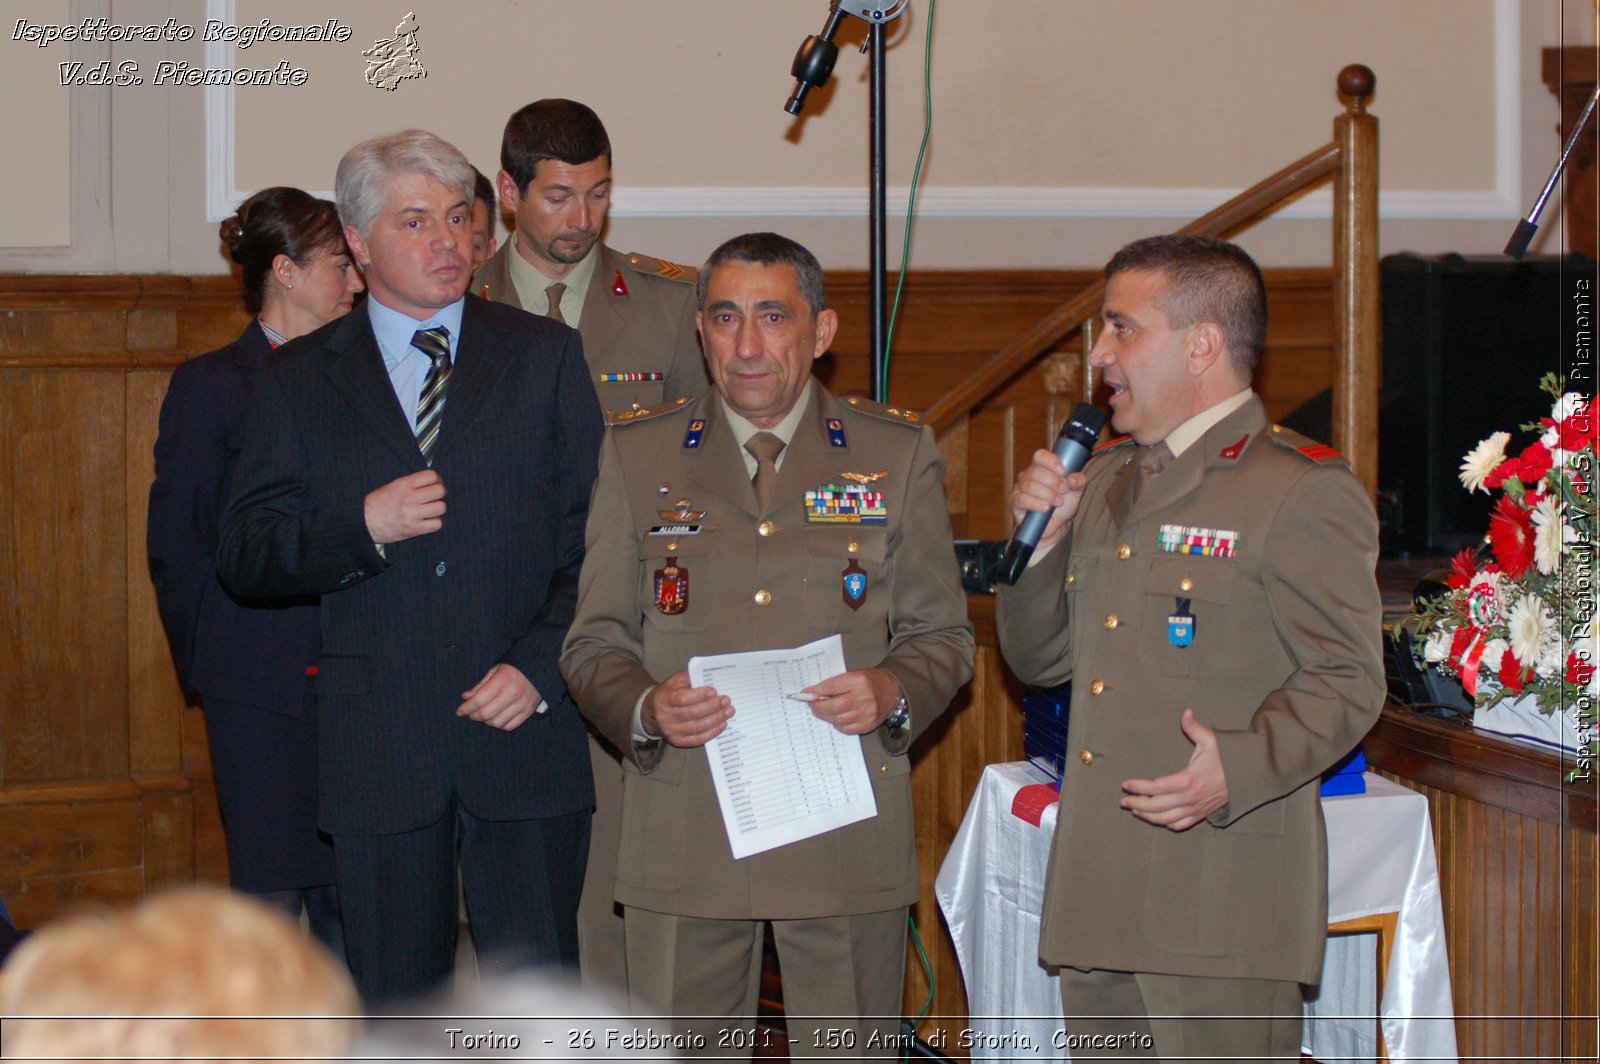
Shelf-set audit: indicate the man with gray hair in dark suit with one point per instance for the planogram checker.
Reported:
(424, 464)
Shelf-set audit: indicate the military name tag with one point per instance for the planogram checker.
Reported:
(674, 530)
(854, 585)
(672, 588)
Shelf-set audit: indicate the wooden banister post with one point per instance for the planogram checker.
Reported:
(1356, 327)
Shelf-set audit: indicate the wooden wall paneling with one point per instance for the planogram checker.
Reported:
(63, 846)
(1519, 873)
(956, 446)
(64, 692)
(155, 700)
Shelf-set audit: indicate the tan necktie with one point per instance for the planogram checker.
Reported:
(765, 447)
(554, 293)
(1156, 457)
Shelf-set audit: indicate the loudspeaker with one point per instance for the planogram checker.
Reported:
(1465, 342)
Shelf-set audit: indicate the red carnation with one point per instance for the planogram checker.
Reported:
(1511, 535)
(1511, 672)
(1579, 671)
(1578, 430)
(1500, 474)
(1462, 567)
(1533, 463)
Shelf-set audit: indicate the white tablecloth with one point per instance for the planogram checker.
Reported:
(1380, 859)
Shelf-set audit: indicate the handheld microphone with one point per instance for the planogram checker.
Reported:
(1077, 439)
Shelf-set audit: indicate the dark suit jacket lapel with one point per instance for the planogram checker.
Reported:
(252, 348)
(602, 321)
(356, 369)
(481, 359)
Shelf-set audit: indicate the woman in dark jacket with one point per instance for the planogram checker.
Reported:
(253, 664)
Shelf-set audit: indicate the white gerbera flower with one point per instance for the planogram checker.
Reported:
(1551, 533)
(1481, 460)
(1494, 652)
(1531, 627)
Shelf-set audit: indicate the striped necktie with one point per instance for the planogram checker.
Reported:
(435, 343)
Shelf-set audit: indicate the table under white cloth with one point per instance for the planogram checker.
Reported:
(1380, 860)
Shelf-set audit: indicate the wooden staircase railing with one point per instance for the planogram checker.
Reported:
(1351, 158)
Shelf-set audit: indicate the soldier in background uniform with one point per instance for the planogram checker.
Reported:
(1207, 583)
(688, 555)
(636, 313)
(636, 317)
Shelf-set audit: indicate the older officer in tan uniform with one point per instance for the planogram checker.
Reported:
(1207, 584)
(636, 317)
(688, 555)
(636, 313)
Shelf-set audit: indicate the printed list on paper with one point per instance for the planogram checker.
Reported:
(781, 774)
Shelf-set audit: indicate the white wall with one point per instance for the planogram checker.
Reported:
(1062, 129)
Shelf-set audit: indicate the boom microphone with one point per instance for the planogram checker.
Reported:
(1077, 439)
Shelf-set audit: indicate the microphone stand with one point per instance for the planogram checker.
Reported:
(1522, 236)
(813, 65)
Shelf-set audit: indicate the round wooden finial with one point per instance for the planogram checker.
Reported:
(1356, 83)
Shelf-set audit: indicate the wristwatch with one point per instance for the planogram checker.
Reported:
(900, 716)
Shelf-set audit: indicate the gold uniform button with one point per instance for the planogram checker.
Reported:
(1086, 757)
(763, 597)
(853, 547)
(1097, 687)
(1111, 622)
(765, 528)
(883, 769)
(1124, 552)
(1186, 584)
(1072, 578)
(672, 546)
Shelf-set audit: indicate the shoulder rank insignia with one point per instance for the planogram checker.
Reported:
(846, 504)
(836, 433)
(1320, 453)
(1234, 450)
(692, 435)
(619, 287)
(890, 413)
(661, 268)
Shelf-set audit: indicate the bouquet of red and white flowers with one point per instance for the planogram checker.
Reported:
(1519, 618)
